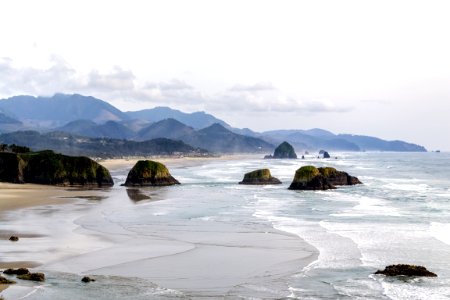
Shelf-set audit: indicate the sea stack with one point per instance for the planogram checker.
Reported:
(312, 178)
(284, 150)
(47, 167)
(259, 177)
(149, 173)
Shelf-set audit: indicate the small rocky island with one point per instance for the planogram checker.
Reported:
(284, 150)
(406, 270)
(47, 167)
(312, 178)
(259, 177)
(149, 173)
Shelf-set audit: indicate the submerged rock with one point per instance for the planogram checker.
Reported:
(284, 150)
(32, 276)
(149, 173)
(47, 167)
(19, 271)
(4, 280)
(406, 270)
(312, 178)
(259, 177)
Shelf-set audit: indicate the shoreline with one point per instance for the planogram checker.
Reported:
(178, 256)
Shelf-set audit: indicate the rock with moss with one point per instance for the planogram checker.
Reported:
(32, 276)
(259, 177)
(312, 178)
(47, 167)
(284, 150)
(406, 270)
(149, 173)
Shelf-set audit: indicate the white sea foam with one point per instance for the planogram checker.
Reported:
(370, 207)
(407, 187)
(441, 231)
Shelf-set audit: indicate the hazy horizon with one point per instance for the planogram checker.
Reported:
(371, 68)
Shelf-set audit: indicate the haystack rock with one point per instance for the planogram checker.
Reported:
(149, 173)
(284, 150)
(312, 178)
(259, 177)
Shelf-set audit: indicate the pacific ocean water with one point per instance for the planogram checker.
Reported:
(400, 214)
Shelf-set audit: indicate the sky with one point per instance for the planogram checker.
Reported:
(379, 68)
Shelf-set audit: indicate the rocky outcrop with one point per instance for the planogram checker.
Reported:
(47, 167)
(4, 280)
(312, 178)
(326, 155)
(284, 150)
(19, 271)
(259, 177)
(14, 238)
(87, 279)
(32, 276)
(149, 173)
(406, 270)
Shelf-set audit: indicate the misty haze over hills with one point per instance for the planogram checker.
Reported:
(87, 116)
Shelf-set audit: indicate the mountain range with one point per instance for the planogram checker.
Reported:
(93, 118)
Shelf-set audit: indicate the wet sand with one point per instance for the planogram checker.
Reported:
(219, 260)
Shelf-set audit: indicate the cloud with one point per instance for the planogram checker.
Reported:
(266, 98)
(260, 86)
(122, 88)
(117, 79)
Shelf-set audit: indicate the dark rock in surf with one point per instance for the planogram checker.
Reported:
(4, 280)
(406, 270)
(259, 177)
(14, 238)
(32, 276)
(19, 271)
(87, 279)
(312, 178)
(149, 173)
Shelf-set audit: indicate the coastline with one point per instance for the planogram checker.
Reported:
(223, 259)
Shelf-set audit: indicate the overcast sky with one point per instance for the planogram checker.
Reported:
(378, 68)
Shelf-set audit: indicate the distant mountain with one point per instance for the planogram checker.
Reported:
(97, 147)
(91, 117)
(168, 128)
(217, 138)
(109, 129)
(368, 143)
(4, 119)
(315, 139)
(59, 109)
(195, 120)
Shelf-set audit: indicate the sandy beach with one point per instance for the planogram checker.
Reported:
(220, 259)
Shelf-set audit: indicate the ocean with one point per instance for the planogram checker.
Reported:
(400, 214)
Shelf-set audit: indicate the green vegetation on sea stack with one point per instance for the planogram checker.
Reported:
(312, 178)
(259, 177)
(149, 173)
(47, 167)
